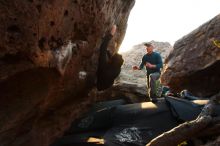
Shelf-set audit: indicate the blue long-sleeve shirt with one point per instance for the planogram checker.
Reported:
(153, 58)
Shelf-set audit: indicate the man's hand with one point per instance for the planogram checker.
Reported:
(113, 30)
(135, 67)
(149, 65)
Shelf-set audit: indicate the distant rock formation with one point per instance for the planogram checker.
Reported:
(194, 64)
(49, 52)
(134, 56)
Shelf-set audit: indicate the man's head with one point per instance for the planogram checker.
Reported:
(149, 47)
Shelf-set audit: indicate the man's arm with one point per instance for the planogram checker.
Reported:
(106, 40)
(103, 48)
(143, 62)
(159, 62)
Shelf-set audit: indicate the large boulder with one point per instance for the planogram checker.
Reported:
(194, 64)
(49, 52)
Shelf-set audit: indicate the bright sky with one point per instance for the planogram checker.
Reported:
(166, 20)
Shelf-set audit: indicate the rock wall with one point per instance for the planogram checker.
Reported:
(49, 53)
(194, 64)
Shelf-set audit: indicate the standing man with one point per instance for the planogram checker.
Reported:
(153, 63)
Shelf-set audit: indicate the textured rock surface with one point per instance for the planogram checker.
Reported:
(194, 63)
(48, 59)
(129, 91)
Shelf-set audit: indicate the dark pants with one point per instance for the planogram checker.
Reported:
(151, 84)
